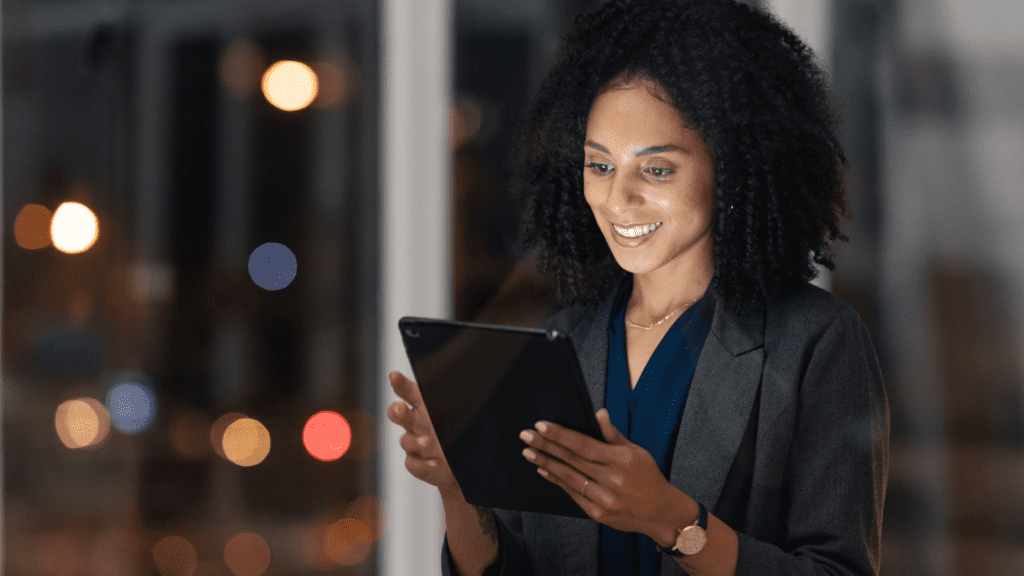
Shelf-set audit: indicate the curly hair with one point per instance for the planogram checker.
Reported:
(754, 93)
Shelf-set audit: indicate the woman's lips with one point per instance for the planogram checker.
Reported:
(633, 232)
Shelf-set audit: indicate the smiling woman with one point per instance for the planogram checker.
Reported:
(684, 175)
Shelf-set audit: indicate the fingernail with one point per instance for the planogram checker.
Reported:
(530, 454)
(542, 472)
(541, 427)
(526, 435)
(423, 440)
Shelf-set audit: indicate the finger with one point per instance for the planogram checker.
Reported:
(406, 389)
(399, 413)
(610, 432)
(416, 445)
(572, 477)
(580, 444)
(584, 499)
(544, 451)
(421, 467)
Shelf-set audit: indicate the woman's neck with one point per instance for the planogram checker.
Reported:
(663, 291)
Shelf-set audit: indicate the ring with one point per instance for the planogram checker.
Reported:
(583, 491)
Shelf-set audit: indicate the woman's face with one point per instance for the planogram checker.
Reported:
(650, 183)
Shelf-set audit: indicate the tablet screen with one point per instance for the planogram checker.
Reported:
(484, 384)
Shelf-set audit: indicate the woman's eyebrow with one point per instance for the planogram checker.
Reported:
(641, 152)
(659, 149)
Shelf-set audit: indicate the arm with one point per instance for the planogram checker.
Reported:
(834, 481)
(471, 537)
(472, 534)
(837, 467)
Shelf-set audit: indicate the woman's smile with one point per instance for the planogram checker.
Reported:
(642, 230)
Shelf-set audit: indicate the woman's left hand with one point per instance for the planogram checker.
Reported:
(616, 482)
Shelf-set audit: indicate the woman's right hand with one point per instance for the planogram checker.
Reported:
(423, 455)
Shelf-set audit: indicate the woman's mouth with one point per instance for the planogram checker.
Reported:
(636, 231)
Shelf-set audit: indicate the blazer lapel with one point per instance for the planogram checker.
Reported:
(719, 404)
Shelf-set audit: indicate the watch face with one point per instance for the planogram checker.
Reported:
(691, 540)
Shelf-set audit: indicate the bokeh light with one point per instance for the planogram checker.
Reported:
(81, 423)
(289, 85)
(369, 510)
(348, 542)
(331, 84)
(239, 68)
(32, 227)
(246, 442)
(247, 554)
(189, 432)
(327, 435)
(131, 404)
(272, 266)
(73, 228)
(175, 556)
(218, 429)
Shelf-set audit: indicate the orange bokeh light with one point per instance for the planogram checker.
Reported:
(175, 556)
(327, 435)
(82, 423)
(369, 510)
(74, 228)
(290, 85)
(32, 227)
(247, 554)
(348, 541)
(246, 442)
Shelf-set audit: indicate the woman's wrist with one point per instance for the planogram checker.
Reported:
(681, 511)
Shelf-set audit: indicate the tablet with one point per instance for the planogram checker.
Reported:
(484, 384)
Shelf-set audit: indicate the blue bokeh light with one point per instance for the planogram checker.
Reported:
(131, 405)
(272, 266)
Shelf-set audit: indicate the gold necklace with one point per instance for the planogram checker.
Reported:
(663, 318)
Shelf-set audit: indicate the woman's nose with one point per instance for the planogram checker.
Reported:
(623, 194)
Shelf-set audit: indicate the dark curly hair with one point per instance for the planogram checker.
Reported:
(752, 90)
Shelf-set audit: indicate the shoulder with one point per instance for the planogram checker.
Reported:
(807, 313)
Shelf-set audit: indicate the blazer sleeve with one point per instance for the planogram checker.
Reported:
(513, 559)
(833, 485)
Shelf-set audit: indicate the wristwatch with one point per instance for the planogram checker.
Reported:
(690, 539)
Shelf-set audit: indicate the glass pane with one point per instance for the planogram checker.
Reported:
(189, 313)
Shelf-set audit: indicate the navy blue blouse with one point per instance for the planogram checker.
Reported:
(649, 414)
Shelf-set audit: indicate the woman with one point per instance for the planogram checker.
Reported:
(684, 175)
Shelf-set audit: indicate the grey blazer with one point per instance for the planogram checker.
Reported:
(785, 437)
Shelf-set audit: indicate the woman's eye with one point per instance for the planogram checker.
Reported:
(598, 167)
(659, 172)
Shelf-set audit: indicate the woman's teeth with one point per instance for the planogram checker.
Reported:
(636, 231)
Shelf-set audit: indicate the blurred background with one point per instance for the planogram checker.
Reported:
(215, 210)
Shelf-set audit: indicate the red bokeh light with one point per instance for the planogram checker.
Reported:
(327, 435)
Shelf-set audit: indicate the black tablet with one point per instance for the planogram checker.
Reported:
(483, 385)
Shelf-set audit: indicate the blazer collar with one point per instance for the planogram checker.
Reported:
(717, 410)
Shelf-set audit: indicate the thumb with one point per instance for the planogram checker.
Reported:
(610, 432)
